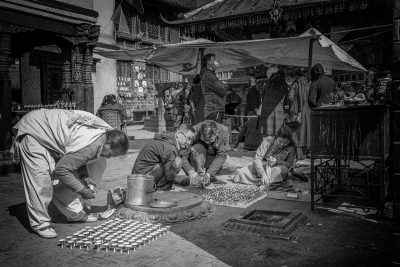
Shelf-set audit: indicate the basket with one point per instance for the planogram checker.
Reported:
(112, 117)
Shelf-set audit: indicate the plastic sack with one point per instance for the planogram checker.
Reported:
(268, 171)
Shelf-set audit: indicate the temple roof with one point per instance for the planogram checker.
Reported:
(229, 9)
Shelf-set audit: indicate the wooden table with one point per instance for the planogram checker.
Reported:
(344, 136)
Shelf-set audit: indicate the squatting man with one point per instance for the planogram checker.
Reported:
(201, 150)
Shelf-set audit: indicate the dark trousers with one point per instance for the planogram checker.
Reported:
(216, 116)
(160, 180)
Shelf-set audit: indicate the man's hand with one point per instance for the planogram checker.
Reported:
(87, 193)
(264, 179)
(89, 181)
(193, 174)
(206, 179)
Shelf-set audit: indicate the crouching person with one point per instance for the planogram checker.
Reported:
(279, 154)
(160, 158)
(209, 152)
(56, 144)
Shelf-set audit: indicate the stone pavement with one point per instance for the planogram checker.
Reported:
(326, 239)
(138, 132)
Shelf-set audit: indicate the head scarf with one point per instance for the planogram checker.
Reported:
(109, 99)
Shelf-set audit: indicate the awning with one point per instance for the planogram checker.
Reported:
(125, 54)
(183, 57)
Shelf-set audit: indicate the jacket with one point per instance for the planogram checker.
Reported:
(219, 148)
(214, 92)
(253, 101)
(284, 156)
(321, 87)
(249, 134)
(162, 150)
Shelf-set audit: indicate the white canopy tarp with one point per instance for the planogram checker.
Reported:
(183, 57)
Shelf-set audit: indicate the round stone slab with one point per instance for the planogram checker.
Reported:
(189, 207)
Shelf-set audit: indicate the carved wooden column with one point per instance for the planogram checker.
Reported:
(77, 68)
(5, 90)
(395, 119)
(76, 76)
(92, 34)
(395, 131)
(66, 69)
(87, 79)
(5, 62)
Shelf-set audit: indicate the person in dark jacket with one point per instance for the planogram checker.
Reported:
(321, 87)
(196, 99)
(249, 134)
(272, 114)
(110, 102)
(213, 90)
(253, 100)
(209, 152)
(160, 158)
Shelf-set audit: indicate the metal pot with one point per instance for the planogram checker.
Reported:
(139, 190)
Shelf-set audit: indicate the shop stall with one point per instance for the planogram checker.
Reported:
(135, 91)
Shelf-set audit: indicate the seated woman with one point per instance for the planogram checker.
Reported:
(279, 153)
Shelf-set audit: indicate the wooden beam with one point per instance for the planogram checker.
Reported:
(35, 22)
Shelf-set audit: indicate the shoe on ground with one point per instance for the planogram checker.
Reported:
(86, 219)
(46, 232)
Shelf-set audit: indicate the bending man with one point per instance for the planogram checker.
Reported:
(58, 144)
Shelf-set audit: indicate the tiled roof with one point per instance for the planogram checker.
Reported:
(227, 9)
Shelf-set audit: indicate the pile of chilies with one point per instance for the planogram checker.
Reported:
(115, 235)
(233, 194)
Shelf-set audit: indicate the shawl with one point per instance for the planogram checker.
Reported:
(60, 131)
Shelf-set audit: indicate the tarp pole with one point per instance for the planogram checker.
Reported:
(310, 55)
(200, 56)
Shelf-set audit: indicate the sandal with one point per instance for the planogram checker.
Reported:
(86, 219)
(46, 232)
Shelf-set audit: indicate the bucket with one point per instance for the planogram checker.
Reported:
(139, 191)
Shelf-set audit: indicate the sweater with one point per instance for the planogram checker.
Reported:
(162, 150)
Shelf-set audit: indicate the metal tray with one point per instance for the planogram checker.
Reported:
(158, 203)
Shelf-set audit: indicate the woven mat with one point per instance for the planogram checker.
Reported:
(234, 195)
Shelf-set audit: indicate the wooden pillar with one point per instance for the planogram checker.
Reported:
(395, 131)
(66, 69)
(5, 90)
(87, 79)
(77, 67)
(395, 118)
(76, 76)
(161, 113)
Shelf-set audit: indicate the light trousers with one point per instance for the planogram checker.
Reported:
(37, 166)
